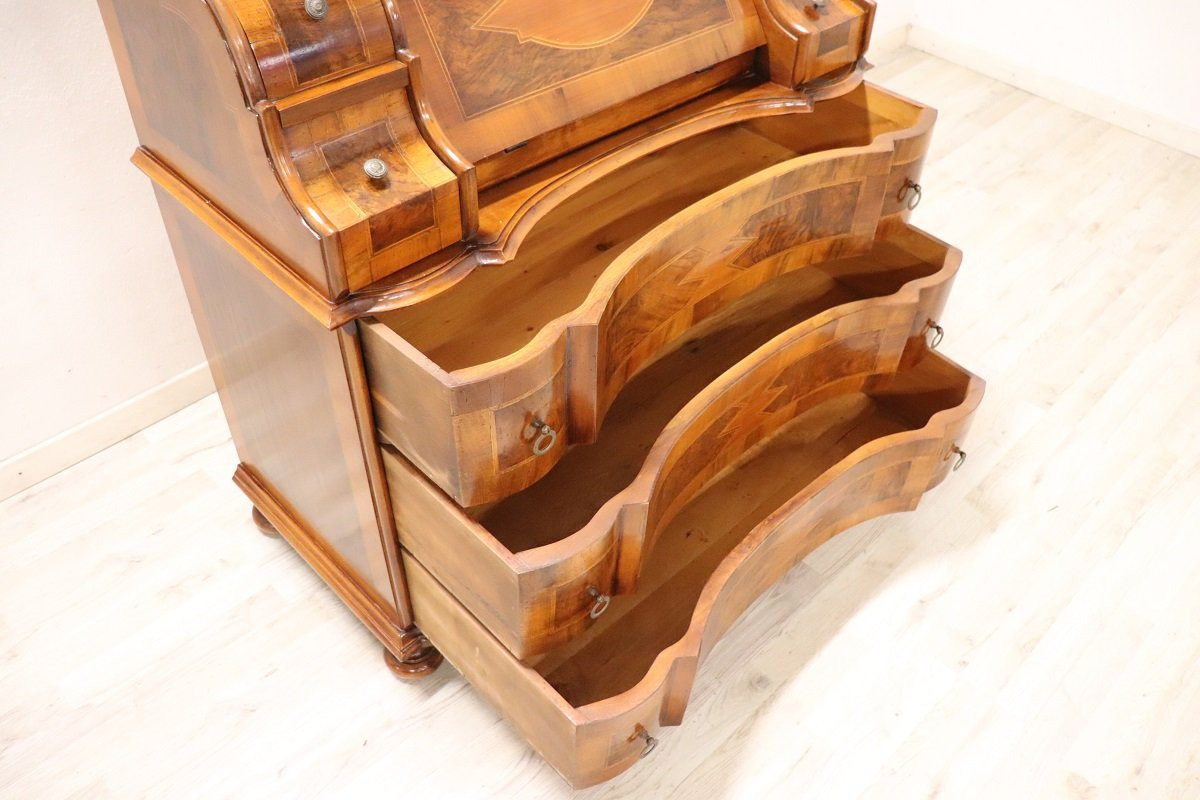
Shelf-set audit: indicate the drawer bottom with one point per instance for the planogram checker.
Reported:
(590, 706)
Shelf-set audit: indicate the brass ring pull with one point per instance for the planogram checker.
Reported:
(910, 194)
(641, 733)
(601, 604)
(547, 437)
(962, 457)
(939, 333)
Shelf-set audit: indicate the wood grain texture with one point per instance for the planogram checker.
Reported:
(263, 78)
(593, 738)
(296, 416)
(380, 226)
(512, 211)
(270, 115)
(561, 343)
(292, 51)
(525, 565)
(501, 72)
(191, 108)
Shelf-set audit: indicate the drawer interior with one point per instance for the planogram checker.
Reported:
(613, 655)
(496, 311)
(565, 499)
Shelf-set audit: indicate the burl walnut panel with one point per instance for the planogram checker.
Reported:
(501, 72)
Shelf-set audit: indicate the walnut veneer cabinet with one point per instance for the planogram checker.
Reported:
(551, 333)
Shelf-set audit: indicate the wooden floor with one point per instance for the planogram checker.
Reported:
(1032, 631)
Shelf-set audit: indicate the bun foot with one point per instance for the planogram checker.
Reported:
(263, 524)
(418, 658)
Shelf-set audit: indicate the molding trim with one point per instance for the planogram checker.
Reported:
(1086, 101)
(23, 470)
(413, 657)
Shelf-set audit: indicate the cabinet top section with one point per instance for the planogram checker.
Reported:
(383, 122)
(498, 73)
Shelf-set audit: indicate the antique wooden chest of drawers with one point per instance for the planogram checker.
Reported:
(551, 334)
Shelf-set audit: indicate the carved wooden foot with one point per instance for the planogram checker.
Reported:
(418, 658)
(264, 525)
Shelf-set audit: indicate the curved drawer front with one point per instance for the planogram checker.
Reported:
(497, 415)
(539, 598)
(592, 741)
(844, 350)
(299, 44)
(695, 264)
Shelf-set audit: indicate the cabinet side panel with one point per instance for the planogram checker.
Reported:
(189, 109)
(286, 393)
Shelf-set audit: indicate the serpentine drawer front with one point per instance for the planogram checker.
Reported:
(486, 386)
(551, 334)
(594, 705)
(539, 566)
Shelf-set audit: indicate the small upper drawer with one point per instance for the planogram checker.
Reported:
(810, 39)
(384, 198)
(536, 567)
(485, 386)
(593, 706)
(298, 44)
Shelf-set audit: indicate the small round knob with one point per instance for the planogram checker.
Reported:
(376, 169)
(317, 9)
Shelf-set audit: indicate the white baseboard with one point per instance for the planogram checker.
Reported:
(41, 461)
(1094, 104)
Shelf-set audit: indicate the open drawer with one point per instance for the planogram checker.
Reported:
(485, 386)
(540, 566)
(592, 706)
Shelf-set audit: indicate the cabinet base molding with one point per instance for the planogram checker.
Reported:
(407, 652)
(419, 659)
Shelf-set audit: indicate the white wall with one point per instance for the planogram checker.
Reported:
(892, 18)
(92, 312)
(1133, 64)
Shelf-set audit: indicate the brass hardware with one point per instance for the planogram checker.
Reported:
(601, 604)
(376, 169)
(640, 732)
(547, 437)
(910, 194)
(317, 9)
(962, 457)
(939, 333)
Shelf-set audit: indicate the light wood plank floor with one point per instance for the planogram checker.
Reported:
(1032, 631)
